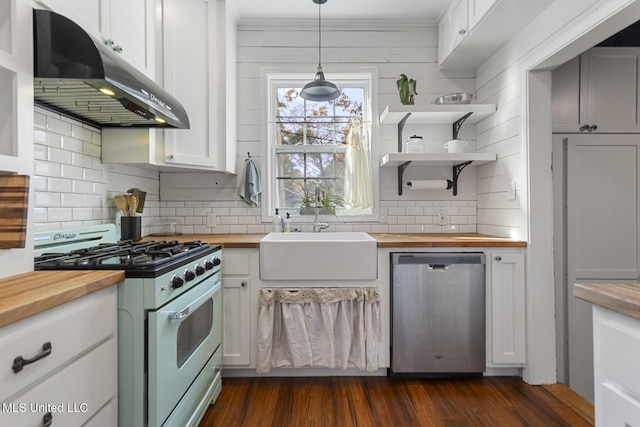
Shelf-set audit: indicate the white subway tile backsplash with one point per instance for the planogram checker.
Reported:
(60, 214)
(59, 185)
(91, 149)
(57, 155)
(83, 187)
(71, 144)
(47, 199)
(82, 133)
(71, 172)
(58, 126)
(72, 199)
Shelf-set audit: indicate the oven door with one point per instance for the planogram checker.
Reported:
(183, 336)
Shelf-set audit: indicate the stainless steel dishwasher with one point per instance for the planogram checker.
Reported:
(438, 314)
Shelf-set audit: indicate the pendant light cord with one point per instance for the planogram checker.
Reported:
(319, 35)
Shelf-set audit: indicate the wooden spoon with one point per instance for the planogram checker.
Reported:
(121, 203)
(133, 201)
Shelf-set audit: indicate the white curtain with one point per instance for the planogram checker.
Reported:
(327, 327)
(358, 183)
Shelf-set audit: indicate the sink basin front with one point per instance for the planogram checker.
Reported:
(318, 256)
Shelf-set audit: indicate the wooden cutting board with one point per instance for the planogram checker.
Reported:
(14, 204)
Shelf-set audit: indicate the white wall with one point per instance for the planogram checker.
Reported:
(393, 48)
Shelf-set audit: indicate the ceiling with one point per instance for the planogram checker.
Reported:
(412, 10)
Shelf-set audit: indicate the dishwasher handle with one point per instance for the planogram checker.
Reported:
(438, 266)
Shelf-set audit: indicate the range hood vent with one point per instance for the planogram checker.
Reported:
(78, 75)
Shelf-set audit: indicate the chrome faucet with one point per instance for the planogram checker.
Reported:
(317, 225)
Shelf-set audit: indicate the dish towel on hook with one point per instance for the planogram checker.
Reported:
(250, 187)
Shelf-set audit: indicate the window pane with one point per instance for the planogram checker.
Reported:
(290, 133)
(290, 192)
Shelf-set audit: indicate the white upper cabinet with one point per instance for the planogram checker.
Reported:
(128, 27)
(453, 28)
(198, 68)
(477, 9)
(16, 87)
(199, 42)
(598, 92)
(472, 30)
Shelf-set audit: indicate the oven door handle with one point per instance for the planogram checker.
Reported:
(181, 314)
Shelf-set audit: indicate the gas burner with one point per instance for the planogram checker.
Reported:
(125, 255)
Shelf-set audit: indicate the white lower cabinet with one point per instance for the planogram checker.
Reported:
(73, 383)
(616, 342)
(506, 308)
(239, 270)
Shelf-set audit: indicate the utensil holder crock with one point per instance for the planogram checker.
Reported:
(131, 228)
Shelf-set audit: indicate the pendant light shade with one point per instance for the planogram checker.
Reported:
(320, 89)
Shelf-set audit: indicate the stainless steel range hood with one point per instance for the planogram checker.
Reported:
(78, 75)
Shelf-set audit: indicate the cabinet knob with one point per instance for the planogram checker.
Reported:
(498, 258)
(593, 127)
(243, 283)
(462, 32)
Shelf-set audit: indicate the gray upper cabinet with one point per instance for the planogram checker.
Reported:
(597, 92)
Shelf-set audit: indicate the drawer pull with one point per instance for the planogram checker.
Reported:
(47, 419)
(19, 362)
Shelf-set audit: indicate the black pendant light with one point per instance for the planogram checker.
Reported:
(320, 89)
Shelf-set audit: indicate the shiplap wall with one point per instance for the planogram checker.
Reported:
(394, 48)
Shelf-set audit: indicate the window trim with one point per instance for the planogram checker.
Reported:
(273, 75)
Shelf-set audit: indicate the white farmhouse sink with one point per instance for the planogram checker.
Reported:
(318, 256)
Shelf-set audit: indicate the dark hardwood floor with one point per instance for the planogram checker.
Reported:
(383, 401)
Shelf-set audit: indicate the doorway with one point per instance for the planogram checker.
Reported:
(539, 79)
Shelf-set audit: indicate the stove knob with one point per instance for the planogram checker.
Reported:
(216, 260)
(208, 265)
(189, 275)
(176, 282)
(199, 270)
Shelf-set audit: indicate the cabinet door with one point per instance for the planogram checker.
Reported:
(453, 29)
(239, 267)
(612, 94)
(16, 99)
(565, 96)
(236, 336)
(131, 25)
(508, 307)
(189, 58)
(478, 9)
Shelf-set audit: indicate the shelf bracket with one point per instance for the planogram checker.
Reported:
(456, 173)
(458, 124)
(401, 169)
(400, 129)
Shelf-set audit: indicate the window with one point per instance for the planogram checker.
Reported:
(324, 145)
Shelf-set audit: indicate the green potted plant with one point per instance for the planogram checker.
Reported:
(406, 90)
(328, 200)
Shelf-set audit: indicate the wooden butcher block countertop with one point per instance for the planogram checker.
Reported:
(26, 294)
(384, 240)
(623, 298)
